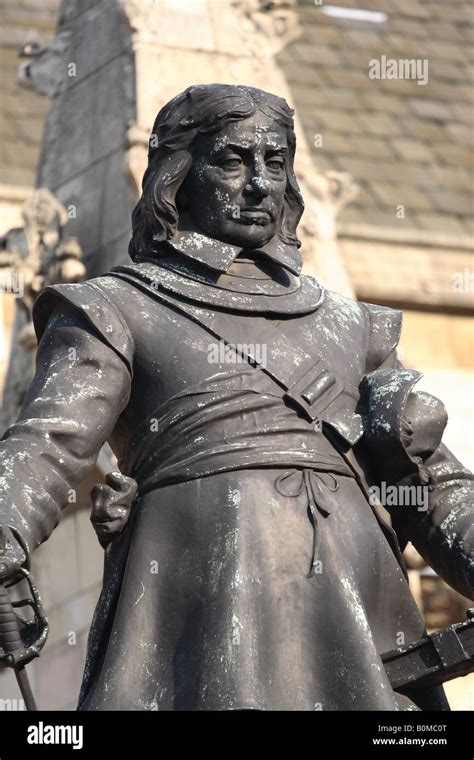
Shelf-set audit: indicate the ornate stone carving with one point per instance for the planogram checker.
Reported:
(274, 23)
(330, 192)
(42, 68)
(38, 255)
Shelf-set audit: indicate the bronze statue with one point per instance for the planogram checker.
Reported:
(258, 421)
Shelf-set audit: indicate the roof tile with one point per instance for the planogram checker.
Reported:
(405, 143)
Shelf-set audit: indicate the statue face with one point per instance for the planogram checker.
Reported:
(236, 186)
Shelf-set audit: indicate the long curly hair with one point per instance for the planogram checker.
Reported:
(202, 109)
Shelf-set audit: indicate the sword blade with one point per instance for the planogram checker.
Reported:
(25, 688)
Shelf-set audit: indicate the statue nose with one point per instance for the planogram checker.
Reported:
(258, 185)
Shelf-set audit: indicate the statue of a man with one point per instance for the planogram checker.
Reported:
(262, 418)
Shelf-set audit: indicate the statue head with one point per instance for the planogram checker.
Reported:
(220, 163)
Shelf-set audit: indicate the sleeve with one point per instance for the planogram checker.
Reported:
(403, 432)
(81, 386)
(444, 533)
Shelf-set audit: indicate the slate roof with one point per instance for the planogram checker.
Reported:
(405, 144)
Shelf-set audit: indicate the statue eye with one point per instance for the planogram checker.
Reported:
(231, 163)
(275, 164)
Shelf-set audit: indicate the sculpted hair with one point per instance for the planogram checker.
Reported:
(202, 109)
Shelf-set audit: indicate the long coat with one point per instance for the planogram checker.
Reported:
(255, 572)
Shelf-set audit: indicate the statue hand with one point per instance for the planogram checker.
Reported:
(111, 505)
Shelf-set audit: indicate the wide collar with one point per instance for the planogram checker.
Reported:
(199, 284)
(218, 255)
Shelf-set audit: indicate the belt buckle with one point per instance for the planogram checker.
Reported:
(313, 387)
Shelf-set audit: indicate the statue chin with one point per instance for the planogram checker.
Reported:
(245, 236)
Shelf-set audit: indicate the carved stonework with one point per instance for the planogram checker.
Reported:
(326, 193)
(330, 192)
(42, 67)
(136, 158)
(32, 257)
(275, 24)
(37, 255)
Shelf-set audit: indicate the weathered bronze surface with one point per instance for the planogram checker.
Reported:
(281, 456)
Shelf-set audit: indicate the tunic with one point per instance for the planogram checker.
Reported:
(253, 573)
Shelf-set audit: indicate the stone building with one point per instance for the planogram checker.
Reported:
(385, 165)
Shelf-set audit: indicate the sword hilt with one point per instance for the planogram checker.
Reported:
(10, 639)
(13, 647)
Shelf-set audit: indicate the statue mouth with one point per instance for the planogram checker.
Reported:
(254, 216)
